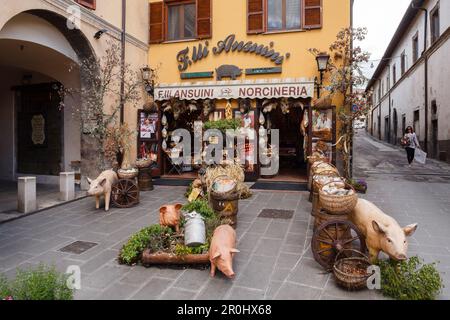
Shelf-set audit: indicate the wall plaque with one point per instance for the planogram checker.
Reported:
(38, 129)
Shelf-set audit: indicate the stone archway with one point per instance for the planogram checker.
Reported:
(85, 52)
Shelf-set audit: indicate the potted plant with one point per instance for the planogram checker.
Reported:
(360, 185)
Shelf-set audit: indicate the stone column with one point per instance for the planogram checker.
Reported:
(26, 195)
(67, 186)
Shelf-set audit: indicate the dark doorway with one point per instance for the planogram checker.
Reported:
(39, 129)
(434, 139)
(386, 129)
(292, 159)
(395, 133)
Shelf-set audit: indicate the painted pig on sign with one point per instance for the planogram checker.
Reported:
(169, 216)
(222, 250)
(382, 232)
(102, 187)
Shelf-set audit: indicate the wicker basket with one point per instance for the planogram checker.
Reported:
(315, 168)
(317, 185)
(347, 280)
(336, 204)
(143, 163)
(126, 174)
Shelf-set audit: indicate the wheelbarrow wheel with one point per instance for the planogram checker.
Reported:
(333, 237)
(125, 193)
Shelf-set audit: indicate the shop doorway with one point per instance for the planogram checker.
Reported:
(293, 167)
(39, 129)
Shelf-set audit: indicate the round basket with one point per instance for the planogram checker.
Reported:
(333, 175)
(351, 273)
(319, 165)
(337, 204)
(127, 174)
(143, 163)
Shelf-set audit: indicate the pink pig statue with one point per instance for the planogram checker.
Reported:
(222, 250)
(102, 187)
(381, 231)
(169, 216)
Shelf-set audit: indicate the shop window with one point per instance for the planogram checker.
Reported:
(435, 24)
(179, 20)
(91, 4)
(283, 15)
(415, 47)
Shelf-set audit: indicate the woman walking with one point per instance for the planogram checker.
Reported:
(410, 142)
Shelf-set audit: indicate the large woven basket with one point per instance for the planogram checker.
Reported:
(317, 167)
(333, 175)
(342, 267)
(143, 163)
(127, 175)
(337, 204)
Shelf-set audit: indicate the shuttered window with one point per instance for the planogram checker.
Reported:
(283, 15)
(156, 22)
(87, 3)
(204, 19)
(255, 16)
(312, 14)
(180, 19)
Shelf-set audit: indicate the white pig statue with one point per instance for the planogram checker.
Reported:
(381, 231)
(102, 186)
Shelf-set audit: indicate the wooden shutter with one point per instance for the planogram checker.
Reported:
(255, 16)
(312, 17)
(156, 22)
(204, 19)
(87, 3)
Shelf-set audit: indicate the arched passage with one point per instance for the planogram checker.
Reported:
(35, 66)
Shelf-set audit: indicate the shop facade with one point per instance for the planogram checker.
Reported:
(245, 60)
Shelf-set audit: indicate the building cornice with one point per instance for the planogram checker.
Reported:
(91, 18)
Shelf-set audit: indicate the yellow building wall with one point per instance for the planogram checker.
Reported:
(230, 17)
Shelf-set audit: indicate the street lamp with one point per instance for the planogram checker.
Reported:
(147, 74)
(322, 59)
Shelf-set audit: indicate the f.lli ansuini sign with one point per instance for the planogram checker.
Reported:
(186, 58)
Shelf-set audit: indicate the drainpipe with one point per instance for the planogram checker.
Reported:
(390, 105)
(122, 66)
(424, 55)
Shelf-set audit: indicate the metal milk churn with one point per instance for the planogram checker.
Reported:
(194, 230)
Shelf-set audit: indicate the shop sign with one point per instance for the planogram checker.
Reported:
(255, 71)
(229, 44)
(235, 91)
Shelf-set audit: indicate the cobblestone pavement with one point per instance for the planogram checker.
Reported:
(275, 260)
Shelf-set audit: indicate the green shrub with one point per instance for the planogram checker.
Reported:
(223, 124)
(40, 283)
(200, 206)
(182, 250)
(131, 251)
(410, 280)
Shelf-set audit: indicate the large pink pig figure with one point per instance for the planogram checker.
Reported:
(222, 250)
(169, 216)
(102, 187)
(381, 231)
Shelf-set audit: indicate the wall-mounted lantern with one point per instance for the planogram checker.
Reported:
(147, 78)
(322, 59)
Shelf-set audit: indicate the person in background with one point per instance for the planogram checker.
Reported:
(410, 142)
